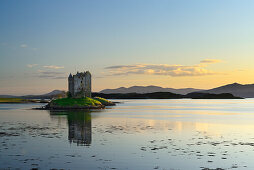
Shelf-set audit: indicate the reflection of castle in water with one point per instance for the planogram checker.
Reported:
(79, 125)
(80, 128)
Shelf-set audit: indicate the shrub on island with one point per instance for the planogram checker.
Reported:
(78, 103)
(103, 101)
(74, 103)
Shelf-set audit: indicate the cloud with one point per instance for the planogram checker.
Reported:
(98, 77)
(210, 61)
(60, 77)
(50, 74)
(160, 69)
(52, 77)
(54, 67)
(23, 45)
(31, 65)
(123, 66)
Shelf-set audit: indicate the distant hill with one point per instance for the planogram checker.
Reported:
(240, 90)
(8, 96)
(155, 95)
(165, 95)
(197, 95)
(149, 89)
(236, 89)
(54, 93)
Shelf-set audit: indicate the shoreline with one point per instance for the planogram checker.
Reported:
(70, 108)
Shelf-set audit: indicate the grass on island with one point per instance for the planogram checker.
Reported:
(103, 101)
(86, 101)
(13, 100)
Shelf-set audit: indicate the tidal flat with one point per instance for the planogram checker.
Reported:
(135, 134)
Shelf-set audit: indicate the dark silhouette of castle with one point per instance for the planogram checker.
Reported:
(80, 128)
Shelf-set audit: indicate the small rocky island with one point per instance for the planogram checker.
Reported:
(78, 95)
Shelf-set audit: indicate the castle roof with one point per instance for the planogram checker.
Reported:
(87, 72)
(80, 74)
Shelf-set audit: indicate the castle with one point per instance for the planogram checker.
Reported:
(80, 84)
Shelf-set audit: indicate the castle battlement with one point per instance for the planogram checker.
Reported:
(79, 85)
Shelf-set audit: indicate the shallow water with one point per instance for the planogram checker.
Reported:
(136, 134)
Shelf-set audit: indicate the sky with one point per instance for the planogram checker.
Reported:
(169, 43)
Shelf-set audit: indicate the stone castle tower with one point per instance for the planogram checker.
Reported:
(80, 84)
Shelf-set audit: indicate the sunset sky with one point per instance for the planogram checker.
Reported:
(168, 43)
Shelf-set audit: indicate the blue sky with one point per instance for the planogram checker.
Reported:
(43, 41)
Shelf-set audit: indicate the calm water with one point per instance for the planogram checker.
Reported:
(137, 134)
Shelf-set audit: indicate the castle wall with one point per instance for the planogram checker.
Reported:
(87, 85)
(71, 85)
(78, 81)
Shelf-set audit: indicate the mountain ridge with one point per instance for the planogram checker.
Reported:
(240, 90)
(51, 94)
(149, 89)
